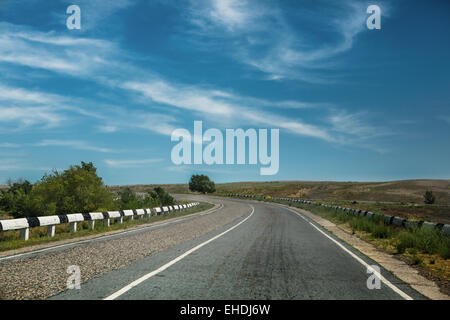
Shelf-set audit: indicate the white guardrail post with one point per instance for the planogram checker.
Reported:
(24, 233)
(24, 224)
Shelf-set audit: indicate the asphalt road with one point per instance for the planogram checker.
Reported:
(269, 253)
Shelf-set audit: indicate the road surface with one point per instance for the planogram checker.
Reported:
(271, 253)
(266, 252)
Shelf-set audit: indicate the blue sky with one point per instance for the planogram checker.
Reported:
(351, 104)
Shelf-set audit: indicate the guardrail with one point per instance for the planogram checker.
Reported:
(24, 224)
(396, 221)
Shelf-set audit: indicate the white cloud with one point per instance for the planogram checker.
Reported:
(190, 98)
(232, 14)
(225, 109)
(21, 108)
(54, 52)
(9, 145)
(20, 95)
(75, 144)
(356, 129)
(30, 116)
(294, 126)
(220, 107)
(55, 39)
(10, 164)
(107, 129)
(131, 163)
(226, 15)
(273, 41)
(356, 125)
(48, 51)
(13, 164)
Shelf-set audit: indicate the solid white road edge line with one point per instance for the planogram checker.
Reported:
(101, 238)
(170, 263)
(383, 279)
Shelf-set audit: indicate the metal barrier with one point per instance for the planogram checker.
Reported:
(24, 224)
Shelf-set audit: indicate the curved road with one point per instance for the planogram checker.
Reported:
(268, 253)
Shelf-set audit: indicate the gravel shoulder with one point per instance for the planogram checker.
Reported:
(54, 244)
(44, 275)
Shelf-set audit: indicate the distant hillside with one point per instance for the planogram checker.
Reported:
(408, 191)
(401, 198)
(144, 188)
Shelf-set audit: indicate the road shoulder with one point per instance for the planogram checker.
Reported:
(75, 240)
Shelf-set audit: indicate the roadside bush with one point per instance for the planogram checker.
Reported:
(360, 224)
(417, 260)
(381, 231)
(341, 216)
(374, 226)
(444, 251)
(165, 199)
(429, 240)
(128, 199)
(406, 240)
(429, 197)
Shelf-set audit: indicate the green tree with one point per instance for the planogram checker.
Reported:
(164, 198)
(129, 200)
(77, 189)
(151, 200)
(429, 197)
(14, 200)
(201, 183)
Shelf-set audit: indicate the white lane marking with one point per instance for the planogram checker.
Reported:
(172, 262)
(101, 238)
(383, 279)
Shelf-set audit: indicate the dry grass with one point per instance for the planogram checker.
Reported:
(399, 198)
(407, 191)
(144, 188)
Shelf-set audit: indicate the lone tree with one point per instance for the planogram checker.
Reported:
(201, 183)
(429, 197)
